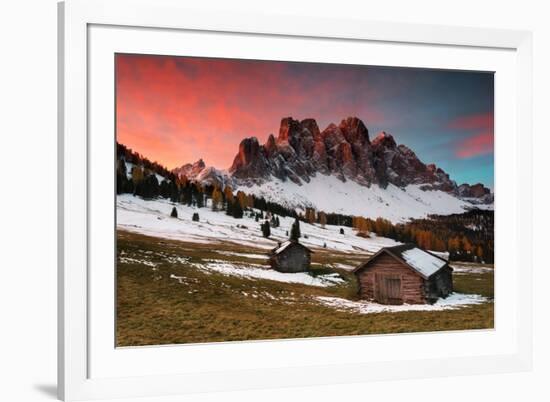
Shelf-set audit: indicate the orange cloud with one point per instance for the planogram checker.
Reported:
(179, 109)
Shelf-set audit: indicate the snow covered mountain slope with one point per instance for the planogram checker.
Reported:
(329, 194)
(340, 170)
(152, 218)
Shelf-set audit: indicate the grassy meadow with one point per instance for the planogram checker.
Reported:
(165, 297)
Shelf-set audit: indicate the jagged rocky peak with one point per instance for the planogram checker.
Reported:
(354, 130)
(301, 151)
(476, 190)
(250, 161)
(270, 145)
(288, 128)
(476, 193)
(401, 166)
(249, 149)
(199, 164)
(384, 139)
(296, 138)
(311, 126)
(190, 170)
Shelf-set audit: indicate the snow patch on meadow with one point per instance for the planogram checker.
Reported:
(346, 267)
(130, 260)
(452, 302)
(256, 271)
(245, 255)
(470, 269)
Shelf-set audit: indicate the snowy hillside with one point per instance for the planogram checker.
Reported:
(152, 218)
(331, 195)
(130, 166)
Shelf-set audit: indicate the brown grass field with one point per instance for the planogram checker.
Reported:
(154, 308)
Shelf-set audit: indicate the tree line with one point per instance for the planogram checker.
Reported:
(467, 236)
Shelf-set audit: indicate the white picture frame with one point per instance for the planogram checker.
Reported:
(79, 346)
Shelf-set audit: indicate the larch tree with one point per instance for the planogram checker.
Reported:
(241, 196)
(322, 219)
(228, 194)
(217, 199)
(137, 175)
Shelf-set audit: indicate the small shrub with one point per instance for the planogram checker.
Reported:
(195, 217)
(174, 213)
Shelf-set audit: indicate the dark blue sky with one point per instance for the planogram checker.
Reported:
(446, 117)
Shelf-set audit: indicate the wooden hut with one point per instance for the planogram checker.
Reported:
(404, 274)
(290, 256)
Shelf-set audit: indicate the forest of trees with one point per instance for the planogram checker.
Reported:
(467, 237)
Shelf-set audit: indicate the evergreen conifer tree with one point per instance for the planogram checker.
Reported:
(266, 231)
(173, 191)
(295, 230)
(229, 208)
(237, 210)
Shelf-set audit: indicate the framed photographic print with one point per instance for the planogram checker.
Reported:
(249, 205)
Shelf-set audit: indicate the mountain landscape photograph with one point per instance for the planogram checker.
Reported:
(262, 200)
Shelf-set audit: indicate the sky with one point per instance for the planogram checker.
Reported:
(175, 110)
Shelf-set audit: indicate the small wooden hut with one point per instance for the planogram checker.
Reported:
(404, 274)
(290, 256)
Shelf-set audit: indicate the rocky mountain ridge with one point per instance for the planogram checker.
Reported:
(301, 151)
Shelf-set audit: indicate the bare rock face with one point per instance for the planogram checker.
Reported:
(399, 165)
(334, 139)
(270, 146)
(301, 151)
(473, 191)
(250, 162)
(315, 148)
(357, 135)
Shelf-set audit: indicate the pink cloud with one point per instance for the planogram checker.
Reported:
(473, 122)
(480, 140)
(477, 144)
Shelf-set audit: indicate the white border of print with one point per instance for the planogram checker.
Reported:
(89, 365)
(106, 362)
